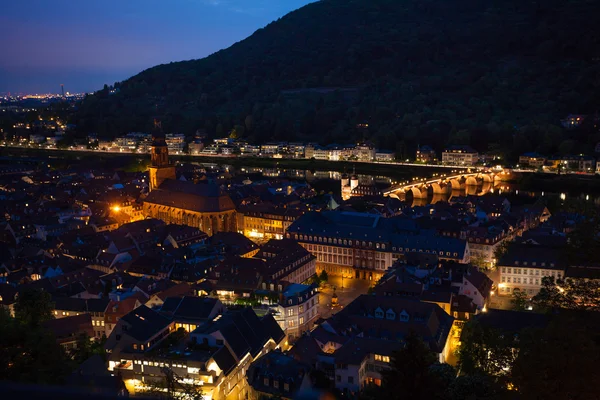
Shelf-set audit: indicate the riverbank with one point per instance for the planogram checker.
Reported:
(62, 158)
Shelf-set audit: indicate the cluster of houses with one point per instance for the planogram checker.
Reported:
(238, 313)
(581, 164)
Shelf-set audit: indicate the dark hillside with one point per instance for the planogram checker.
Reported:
(492, 73)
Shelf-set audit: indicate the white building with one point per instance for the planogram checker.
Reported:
(523, 267)
(297, 309)
(460, 155)
(175, 142)
(385, 156)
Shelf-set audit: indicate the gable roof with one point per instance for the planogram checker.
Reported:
(144, 323)
(189, 307)
(190, 196)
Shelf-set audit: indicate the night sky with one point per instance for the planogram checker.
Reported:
(86, 43)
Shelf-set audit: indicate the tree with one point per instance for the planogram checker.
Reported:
(414, 373)
(559, 362)
(34, 307)
(519, 300)
(476, 387)
(569, 293)
(86, 347)
(484, 351)
(501, 250)
(29, 353)
(323, 276)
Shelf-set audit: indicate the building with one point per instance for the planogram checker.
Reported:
(579, 163)
(276, 375)
(175, 142)
(385, 156)
(69, 330)
(523, 267)
(534, 160)
(362, 245)
(360, 362)
(265, 221)
(190, 312)
(348, 185)
(140, 330)
(364, 152)
(278, 262)
(287, 261)
(297, 309)
(352, 187)
(215, 355)
(296, 149)
(484, 242)
(96, 308)
(320, 153)
(202, 206)
(394, 318)
(271, 148)
(460, 155)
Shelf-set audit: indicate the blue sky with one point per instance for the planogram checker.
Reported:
(86, 43)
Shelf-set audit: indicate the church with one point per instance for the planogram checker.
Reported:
(202, 206)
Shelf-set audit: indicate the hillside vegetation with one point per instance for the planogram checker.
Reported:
(496, 74)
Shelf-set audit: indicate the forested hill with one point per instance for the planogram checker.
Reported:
(484, 72)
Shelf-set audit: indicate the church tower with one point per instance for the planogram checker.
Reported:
(160, 169)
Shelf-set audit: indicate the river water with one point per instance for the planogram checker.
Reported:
(330, 181)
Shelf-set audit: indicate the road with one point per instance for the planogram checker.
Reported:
(352, 288)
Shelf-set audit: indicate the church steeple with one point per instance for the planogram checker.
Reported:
(160, 169)
(160, 151)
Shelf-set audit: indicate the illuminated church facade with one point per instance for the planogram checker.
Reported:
(202, 206)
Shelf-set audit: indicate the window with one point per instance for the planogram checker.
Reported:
(301, 320)
(286, 387)
(275, 383)
(291, 323)
(135, 346)
(266, 381)
(290, 312)
(219, 342)
(300, 309)
(338, 378)
(350, 379)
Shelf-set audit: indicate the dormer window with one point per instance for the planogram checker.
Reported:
(404, 317)
(266, 381)
(378, 313)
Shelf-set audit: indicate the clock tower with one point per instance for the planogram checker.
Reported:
(160, 169)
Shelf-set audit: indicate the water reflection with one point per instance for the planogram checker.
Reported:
(325, 178)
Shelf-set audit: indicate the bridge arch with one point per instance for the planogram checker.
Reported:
(416, 193)
(488, 177)
(471, 181)
(454, 184)
(437, 188)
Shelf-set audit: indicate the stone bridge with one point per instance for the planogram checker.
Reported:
(472, 183)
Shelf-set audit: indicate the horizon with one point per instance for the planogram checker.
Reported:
(124, 36)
